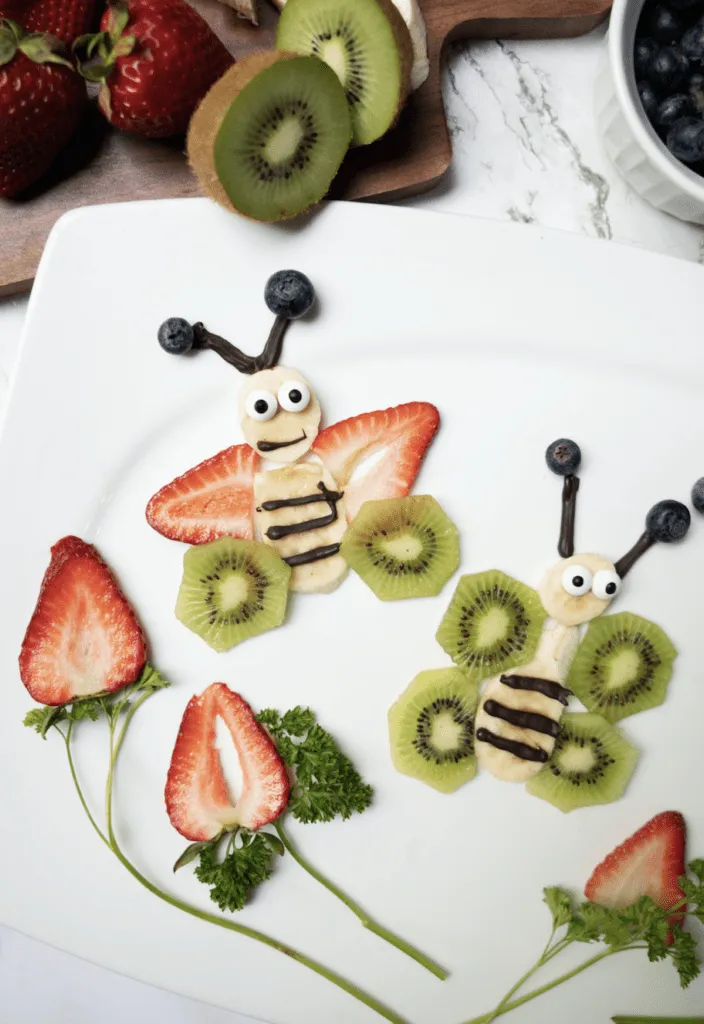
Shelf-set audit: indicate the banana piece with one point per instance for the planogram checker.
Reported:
(552, 660)
(411, 13)
(295, 481)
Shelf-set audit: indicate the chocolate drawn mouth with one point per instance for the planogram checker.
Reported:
(272, 446)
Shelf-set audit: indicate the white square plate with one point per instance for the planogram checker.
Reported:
(517, 337)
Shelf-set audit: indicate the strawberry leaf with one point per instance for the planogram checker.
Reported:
(193, 850)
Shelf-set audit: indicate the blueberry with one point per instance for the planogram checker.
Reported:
(649, 99)
(668, 521)
(645, 50)
(289, 293)
(693, 43)
(563, 456)
(698, 495)
(176, 336)
(685, 140)
(668, 70)
(696, 92)
(672, 109)
(664, 24)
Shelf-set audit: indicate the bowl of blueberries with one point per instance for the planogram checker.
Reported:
(650, 101)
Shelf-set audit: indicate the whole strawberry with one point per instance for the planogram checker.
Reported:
(63, 19)
(156, 59)
(41, 99)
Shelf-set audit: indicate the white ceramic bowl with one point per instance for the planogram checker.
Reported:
(631, 142)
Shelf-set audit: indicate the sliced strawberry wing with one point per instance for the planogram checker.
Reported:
(197, 798)
(401, 434)
(214, 499)
(648, 864)
(83, 637)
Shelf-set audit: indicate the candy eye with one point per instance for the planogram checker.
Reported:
(294, 396)
(606, 584)
(577, 580)
(261, 405)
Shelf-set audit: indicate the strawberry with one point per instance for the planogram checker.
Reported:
(41, 100)
(402, 433)
(214, 499)
(156, 59)
(197, 801)
(648, 864)
(63, 19)
(83, 637)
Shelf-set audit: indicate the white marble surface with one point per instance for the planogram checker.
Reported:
(526, 149)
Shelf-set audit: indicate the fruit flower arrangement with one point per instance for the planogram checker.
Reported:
(669, 67)
(266, 136)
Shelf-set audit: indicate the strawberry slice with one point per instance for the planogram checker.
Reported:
(214, 499)
(402, 434)
(197, 799)
(648, 864)
(83, 637)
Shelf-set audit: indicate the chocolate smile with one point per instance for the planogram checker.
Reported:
(272, 446)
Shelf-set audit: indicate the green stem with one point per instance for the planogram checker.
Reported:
(74, 776)
(658, 1020)
(542, 959)
(221, 922)
(485, 1018)
(368, 922)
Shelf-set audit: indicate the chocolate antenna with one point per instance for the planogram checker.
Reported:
(667, 522)
(563, 458)
(288, 294)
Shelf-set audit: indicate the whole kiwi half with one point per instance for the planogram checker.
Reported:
(269, 137)
(368, 45)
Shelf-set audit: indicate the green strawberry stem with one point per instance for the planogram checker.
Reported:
(505, 1006)
(367, 921)
(111, 841)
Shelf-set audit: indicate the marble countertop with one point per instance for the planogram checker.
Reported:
(526, 149)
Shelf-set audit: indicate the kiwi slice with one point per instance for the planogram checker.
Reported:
(367, 44)
(431, 729)
(231, 590)
(402, 547)
(623, 665)
(591, 764)
(493, 623)
(270, 136)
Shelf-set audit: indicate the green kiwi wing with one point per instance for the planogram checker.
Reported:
(623, 666)
(493, 624)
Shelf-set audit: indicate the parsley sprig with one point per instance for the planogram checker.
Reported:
(642, 926)
(246, 856)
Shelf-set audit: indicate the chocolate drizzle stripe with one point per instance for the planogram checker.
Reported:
(514, 747)
(314, 555)
(304, 499)
(522, 719)
(288, 529)
(545, 686)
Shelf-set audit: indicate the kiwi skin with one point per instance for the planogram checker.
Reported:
(405, 52)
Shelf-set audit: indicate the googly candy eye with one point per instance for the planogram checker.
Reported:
(261, 405)
(606, 584)
(576, 580)
(294, 396)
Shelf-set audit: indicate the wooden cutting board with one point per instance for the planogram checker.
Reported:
(104, 166)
